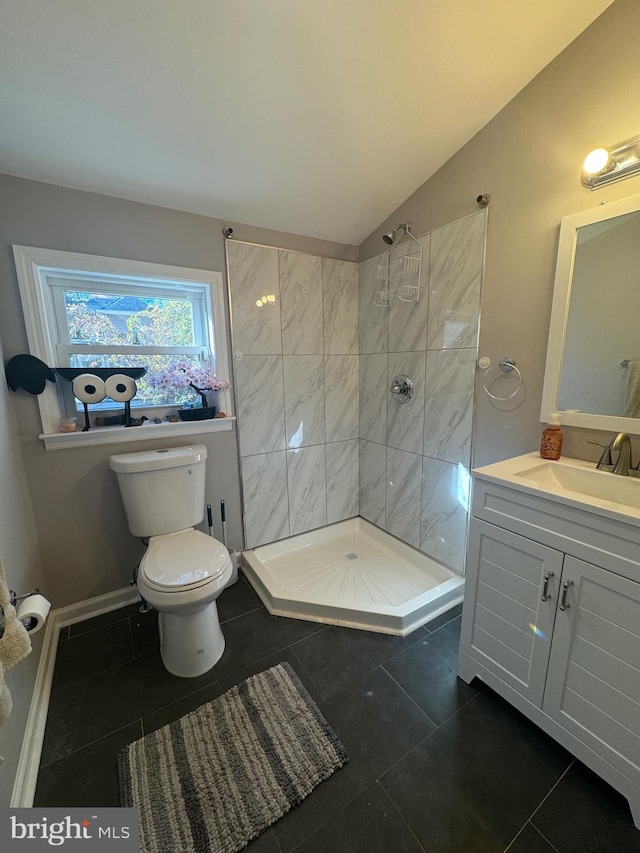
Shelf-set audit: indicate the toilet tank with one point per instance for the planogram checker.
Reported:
(162, 490)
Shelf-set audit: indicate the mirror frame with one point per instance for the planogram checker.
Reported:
(560, 313)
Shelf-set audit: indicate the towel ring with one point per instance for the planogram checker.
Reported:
(506, 364)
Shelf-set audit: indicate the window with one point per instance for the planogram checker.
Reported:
(126, 322)
(85, 311)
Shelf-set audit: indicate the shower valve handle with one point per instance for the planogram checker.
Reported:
(402, 388)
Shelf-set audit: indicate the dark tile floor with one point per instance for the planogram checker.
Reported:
(435, 765)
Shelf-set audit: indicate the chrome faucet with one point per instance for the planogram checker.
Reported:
(621, 444)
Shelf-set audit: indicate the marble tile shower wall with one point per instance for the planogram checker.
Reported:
(415, 458)
(295, 340)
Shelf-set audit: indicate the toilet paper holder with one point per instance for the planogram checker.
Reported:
(32, 611)
(14, 598)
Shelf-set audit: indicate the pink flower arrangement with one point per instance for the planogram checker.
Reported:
(182, 374)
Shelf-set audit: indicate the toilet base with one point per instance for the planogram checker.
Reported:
(192, 643)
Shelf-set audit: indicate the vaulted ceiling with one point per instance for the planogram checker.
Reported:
(316, 117)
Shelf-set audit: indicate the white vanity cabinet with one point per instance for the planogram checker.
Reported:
(507, 625)
(551, 622)
(593, 684)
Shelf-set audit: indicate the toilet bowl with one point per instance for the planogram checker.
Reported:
(181, 575)
(183, 570)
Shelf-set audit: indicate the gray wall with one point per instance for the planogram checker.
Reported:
(21, 559)
(528, 158)
(86, 547)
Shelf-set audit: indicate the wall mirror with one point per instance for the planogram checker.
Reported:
(594, 334)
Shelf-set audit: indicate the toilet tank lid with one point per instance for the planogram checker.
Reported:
(155, 460)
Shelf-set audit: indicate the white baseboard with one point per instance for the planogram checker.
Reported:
(91, 607)
(24, 786)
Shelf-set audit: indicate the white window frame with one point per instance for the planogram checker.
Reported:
(34, 266)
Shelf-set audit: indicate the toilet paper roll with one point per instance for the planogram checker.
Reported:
(89, 388)
(121, 388)
(33, 611)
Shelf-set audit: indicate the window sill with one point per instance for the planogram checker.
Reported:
(121, 435)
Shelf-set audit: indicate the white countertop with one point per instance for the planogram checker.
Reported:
(569, 481)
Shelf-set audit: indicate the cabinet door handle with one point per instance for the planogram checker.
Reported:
(545, 587)
(564, 604)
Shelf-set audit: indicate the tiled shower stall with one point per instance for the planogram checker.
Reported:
(321, 438)
(295, 345)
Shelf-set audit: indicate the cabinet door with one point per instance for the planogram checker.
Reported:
(593, 685)
(507, 626)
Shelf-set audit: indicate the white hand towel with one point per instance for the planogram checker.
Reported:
(15, 643)
(6, 703)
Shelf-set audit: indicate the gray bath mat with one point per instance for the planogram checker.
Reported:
(215, 779)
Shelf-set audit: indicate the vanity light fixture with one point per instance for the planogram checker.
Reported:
(606, 165)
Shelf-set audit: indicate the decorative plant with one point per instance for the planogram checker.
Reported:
(182, 374)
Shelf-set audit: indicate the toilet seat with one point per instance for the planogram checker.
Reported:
(181, 561)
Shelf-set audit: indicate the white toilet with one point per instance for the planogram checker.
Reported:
(183, 570)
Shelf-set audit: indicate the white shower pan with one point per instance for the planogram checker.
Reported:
(352, 574)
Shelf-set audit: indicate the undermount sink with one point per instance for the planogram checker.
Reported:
(570, 480)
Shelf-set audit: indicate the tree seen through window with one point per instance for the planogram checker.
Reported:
(115, 320)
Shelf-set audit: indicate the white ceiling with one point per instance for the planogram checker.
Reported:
(316, 117)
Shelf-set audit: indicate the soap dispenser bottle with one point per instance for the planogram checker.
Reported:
(551, 444)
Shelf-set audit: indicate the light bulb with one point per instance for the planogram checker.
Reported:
(596, 161)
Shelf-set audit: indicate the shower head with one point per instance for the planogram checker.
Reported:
(398, 231)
